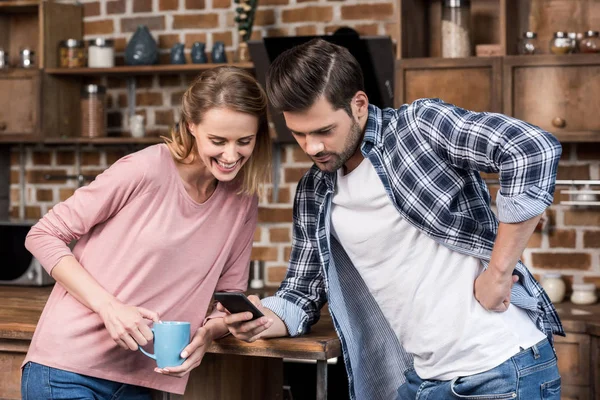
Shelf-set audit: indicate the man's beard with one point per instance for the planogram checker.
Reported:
(339, 159)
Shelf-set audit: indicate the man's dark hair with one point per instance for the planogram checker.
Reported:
(300, 75)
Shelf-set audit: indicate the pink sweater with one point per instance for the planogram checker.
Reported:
(148, 243)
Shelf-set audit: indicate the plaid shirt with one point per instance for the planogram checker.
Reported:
(428, 155)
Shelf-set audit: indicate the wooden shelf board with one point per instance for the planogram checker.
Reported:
(14, 139)
(142, 69)
(552, 60)
(577, 137)
(19, 5)
(438, 62)
(536, 60)
(102, 140)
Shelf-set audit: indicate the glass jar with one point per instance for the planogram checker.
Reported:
(574, 41)
(4, 63)
(528, 43)
(554, 286)
(101, 53)
(456, 28)
(584, 293)
(71, 53)
(27, 58)
(590, 42)
(561, 44)
(93, 111)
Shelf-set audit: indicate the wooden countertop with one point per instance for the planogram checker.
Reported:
(580, 319)
(21, 307)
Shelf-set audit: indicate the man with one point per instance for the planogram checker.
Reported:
(393, 227)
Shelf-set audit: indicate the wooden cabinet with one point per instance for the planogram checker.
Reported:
(473, 83)
(12, 354)
(19, 102)
(40, 26)
(569, 392)
(573, 352)
(560, 94)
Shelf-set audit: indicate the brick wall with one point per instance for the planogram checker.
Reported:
(188, 21)
(570, 243)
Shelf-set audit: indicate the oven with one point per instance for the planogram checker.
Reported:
(19, 267)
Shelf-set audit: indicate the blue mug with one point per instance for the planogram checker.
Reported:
(170, 338)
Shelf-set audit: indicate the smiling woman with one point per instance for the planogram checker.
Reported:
(157, 234)
(223, 121)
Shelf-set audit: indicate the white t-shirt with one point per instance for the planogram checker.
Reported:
(424, 289)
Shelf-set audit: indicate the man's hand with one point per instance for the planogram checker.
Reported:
(242, 328)
(492, 289)
(193, 353)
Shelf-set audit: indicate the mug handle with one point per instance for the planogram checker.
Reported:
(152, 356)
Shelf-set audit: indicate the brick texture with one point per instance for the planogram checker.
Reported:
(569, 243)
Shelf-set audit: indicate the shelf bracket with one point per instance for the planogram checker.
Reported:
(131, 95)
(22, 181)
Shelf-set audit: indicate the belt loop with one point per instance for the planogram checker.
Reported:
(536, 352)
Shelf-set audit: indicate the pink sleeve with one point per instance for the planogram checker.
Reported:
(235, 274)
(90, 205)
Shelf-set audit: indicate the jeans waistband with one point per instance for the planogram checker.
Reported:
(540, 352)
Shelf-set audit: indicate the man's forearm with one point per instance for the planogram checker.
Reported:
(510, 243)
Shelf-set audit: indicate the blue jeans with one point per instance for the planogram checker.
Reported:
(45, 383)
(531, 374)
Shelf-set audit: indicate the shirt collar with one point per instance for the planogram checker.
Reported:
(373, 131)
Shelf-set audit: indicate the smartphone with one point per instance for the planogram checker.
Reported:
(237, 303)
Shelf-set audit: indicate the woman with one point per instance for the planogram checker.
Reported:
(158, 232)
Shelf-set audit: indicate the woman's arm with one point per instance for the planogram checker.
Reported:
(75, 217)
(124, 323)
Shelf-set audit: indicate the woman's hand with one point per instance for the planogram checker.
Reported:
(126, 324)
(193, 353)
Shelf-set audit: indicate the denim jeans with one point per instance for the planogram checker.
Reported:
(45, 383)
(531, 374)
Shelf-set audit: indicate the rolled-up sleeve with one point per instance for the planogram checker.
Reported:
(525, 156)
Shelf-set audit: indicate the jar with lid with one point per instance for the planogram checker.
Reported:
(93, 111)
(528, 44)
(584, 293)
(456, 28)
(4, 62)
(554, 286)
(71, 53)
(574, 41)
(590, 42)
(561, 43)
(101, 53)
(27, 58)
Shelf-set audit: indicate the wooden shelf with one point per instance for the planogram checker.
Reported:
(141, 70)
(553, 60)
(19, 5)
(577, 137)
(80, 140)
(103, 140)
(537, 60)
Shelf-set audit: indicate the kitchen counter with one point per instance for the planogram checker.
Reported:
(233, 369)
(257, 366)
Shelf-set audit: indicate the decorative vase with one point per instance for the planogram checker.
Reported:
(199, 53)
(218, 53)
(177, 54)
(142, 48)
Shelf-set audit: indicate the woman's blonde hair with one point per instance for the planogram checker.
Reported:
(237, 90)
